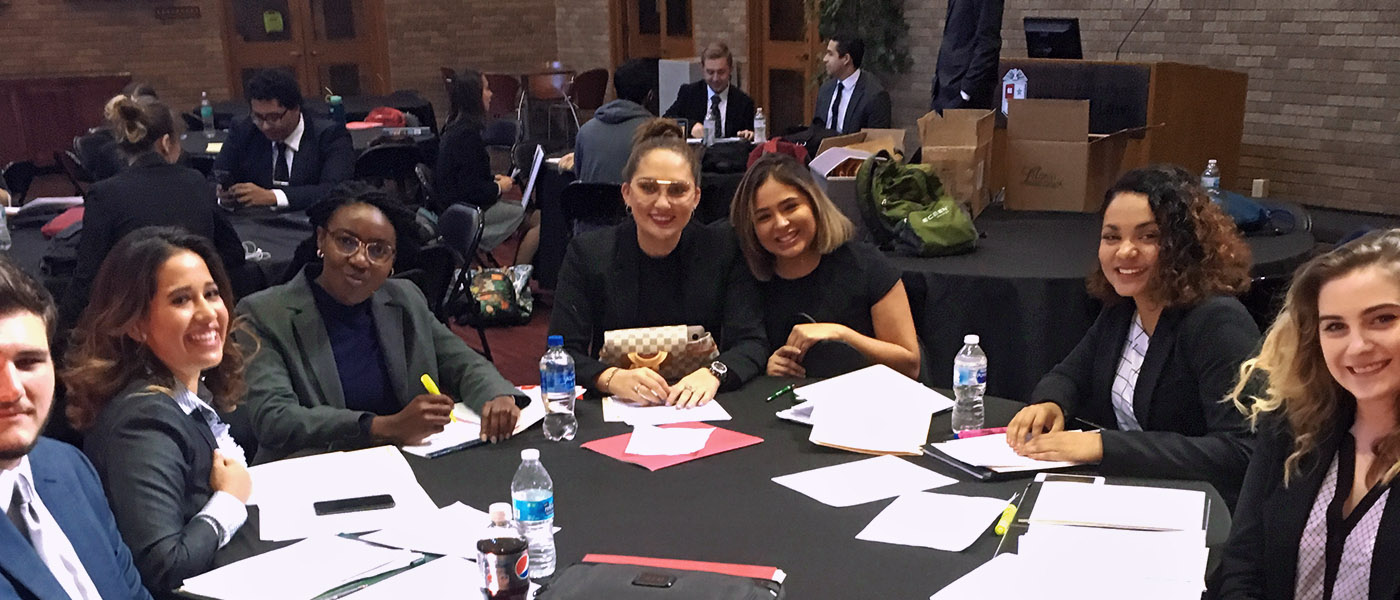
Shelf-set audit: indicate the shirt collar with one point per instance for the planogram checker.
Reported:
(21, 475)
(711, 93)
(190, 402)
(293, 141)
(850, 81)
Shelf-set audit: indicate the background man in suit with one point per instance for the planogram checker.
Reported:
(966, 76)
(851, 99)
(60, 540)
(713, 96)
(279, 156)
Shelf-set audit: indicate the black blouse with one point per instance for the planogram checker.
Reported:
(842, 289)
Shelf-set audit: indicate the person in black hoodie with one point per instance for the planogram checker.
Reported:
(605, 142)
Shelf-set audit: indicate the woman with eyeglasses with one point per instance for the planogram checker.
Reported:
(657, 269)
(338, 351)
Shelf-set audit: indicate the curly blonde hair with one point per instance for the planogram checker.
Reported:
(1300, 387)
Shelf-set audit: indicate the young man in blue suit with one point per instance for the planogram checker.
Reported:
(278, 156)
(60, 540)
(851, 99)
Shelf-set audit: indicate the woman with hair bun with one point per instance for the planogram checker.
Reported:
(152, 191)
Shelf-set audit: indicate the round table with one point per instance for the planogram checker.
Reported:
(725, 508)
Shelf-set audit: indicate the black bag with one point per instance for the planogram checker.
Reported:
(591, 581)
(726, 157)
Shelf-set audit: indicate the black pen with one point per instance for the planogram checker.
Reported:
(783, 390)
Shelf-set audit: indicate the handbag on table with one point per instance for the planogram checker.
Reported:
(673, 351)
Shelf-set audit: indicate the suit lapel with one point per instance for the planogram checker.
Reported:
(304, 161)
(625, 279)
(65, 501)
(315, 343)
(1293, 508)
(22, 565)
(853, 108)
(389, 328)
(1159, 347)
(1385, 578)
(824, 102)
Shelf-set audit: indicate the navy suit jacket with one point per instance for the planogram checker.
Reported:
(968, 56)
(325, 157)
(693, 104)
(869, 106)
(67, 484)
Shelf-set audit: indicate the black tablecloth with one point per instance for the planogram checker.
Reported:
(1023, 292)
(724, 508)
(356, 108)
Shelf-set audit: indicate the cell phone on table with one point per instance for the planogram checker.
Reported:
(345, 505)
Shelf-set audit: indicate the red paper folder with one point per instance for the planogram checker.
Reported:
(754, 571)
(722, 440)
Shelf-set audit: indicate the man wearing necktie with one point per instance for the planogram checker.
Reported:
(280, 156)
(713, 97)
(59, 540)
(851, 99)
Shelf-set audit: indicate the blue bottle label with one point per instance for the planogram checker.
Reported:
(534, 510)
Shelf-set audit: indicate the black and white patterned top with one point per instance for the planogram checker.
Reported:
(1334, 554)
(1125, 378)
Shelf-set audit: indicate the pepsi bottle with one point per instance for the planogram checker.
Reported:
(503, 557)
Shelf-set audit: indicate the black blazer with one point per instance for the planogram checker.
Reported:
(968, 56)
(693, 104)
(150, 192)
(1261, 557)
(325, 157)
(1192, 362)
(463, 172)
(154, 461)
(598, 291)
(869, 106)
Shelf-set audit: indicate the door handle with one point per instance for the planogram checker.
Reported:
(295, 53)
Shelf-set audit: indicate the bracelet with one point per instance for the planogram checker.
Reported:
(607, 385)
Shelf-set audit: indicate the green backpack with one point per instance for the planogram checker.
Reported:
(908, 211)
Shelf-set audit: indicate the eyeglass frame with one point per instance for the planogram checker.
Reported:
(336, 236)
(269, 120)
(668, 184)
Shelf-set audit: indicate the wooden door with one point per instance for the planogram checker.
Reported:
(655, 28)
(325, 44)
(783, 58)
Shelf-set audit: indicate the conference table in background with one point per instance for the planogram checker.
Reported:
(195, 144)
(725, 508)
(356, 108)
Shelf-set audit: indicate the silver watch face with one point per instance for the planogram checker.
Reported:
(718, 369)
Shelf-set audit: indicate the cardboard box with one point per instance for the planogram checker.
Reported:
(958, 145)
(840, 188)
(868, 140)
(1053, 162)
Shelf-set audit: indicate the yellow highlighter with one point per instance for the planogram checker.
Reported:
(432, 388)
(1008, 514)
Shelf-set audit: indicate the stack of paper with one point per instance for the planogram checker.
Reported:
(992, 452)
(1119, 506)
(285, 492)
(938, 521)
(873, 382)
(863, 481)
(616, 410)
(874, 410)
(300, 571)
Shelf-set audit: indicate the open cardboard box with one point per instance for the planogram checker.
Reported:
(838, 158)
(1053, 162)
(958, 145)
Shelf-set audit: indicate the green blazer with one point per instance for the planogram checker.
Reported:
(294, 395)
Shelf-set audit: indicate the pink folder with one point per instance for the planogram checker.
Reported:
(722, 440)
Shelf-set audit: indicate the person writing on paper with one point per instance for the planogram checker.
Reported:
(463, 172)
(1314, 519)
(817, 283)
(150, 361)
(1154, 367)
(659, 269)
(337, 353)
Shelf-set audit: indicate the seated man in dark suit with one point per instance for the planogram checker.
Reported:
(279, 156)
(713, 96)
(851, 99)
(60, 540)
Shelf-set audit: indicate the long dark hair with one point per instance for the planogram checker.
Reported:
(102, 359)
(464, 97)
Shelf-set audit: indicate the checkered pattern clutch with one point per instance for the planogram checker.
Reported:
(674, 351)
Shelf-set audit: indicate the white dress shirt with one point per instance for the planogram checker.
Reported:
(49, 540)
(293, 143)
(224, 512)
(848, 85)
(723, 106)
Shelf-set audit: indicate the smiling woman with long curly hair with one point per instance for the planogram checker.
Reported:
(1153, 369)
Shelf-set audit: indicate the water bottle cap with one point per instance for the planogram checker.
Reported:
(334, 99)
(1211, 162)
(556, 340)
(500, 511)
(971, 339)
(530, 454)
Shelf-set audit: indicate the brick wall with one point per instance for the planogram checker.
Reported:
(583, 33)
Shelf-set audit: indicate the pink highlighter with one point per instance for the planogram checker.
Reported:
(972, 433)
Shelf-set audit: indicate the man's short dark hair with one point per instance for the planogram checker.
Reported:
(21, 293)
(849, 44)
(636, 78)
(274, 84)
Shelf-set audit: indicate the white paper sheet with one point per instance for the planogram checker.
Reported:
(862, 481)
(1177, 558)
(649, 440)
(446, 577)
(1121, 506)
(801, 413)
(286, 491)
(996, 579)
(452, 530)
(877, 425)
(992, 451)
(300, 571)
(938, 521)
(877, 381)
(621, 411)
(467, 427)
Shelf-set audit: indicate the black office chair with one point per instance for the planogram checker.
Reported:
(431, 271)
(18, 176)
(73, 168)
(389, 162)
(589, 206)
(461, 226)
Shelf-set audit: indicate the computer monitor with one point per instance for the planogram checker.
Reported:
(1053, 38)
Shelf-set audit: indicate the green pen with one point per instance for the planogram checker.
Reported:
(783, 390)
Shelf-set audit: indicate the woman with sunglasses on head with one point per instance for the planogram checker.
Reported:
(1153, 369)
(339, 350)
(798, 245)
(150, 362)
(656, 269)
(1314, 519)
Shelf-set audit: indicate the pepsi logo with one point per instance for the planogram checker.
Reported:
(522, 566)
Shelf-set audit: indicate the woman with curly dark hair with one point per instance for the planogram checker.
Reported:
(150, 361)
(1155, 366)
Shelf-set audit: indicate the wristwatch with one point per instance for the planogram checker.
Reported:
(719, 371)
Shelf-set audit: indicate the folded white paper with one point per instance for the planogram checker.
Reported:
(621, 411)
(862, 481)
(300, 571)
(649, 440)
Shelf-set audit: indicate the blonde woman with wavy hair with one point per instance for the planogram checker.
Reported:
(1314, 515)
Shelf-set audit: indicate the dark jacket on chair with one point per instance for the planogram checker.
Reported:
(968, 56)
(693, 104)
(325, 157)
(463, 172)
(869, 107)
(1192, 362)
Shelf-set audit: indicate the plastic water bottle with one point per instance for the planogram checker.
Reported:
(5, 241)
(532, 491)
(206, 114)
(337, 109)
(969, 383)
(760, 127)
(503, 557)
(1210, 179)
(557, 390)
(709, 130)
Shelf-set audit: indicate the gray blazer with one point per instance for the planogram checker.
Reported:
(294, 395)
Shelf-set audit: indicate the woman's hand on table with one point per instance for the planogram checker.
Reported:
(783, 363)
(640, 385)
(1071, 446)
(1033, 421)
(695, 389)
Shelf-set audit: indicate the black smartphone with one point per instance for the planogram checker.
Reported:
(656, 580)
(345, 505)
